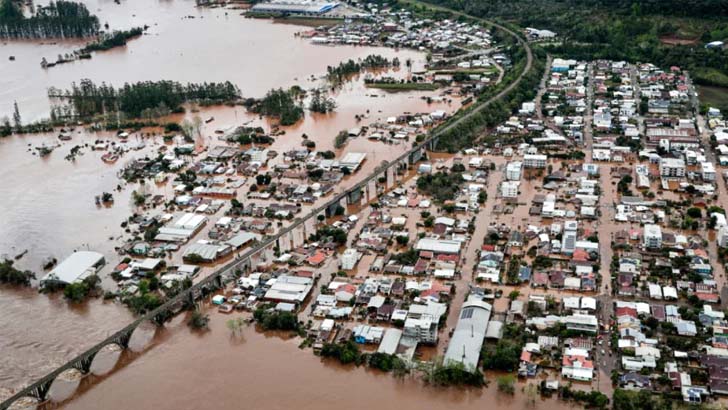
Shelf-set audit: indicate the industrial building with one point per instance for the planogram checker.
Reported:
(295, 7)
(181, 229)
(293, 289)
(438, 246)
(467, 339)
(352, 160)
(75, 268)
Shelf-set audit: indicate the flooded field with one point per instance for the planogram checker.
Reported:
(266, 371)
(48, 203)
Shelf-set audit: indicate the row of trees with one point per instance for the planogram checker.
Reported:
(60, 19)
(111, 40)
(348, 68)
(88, 99)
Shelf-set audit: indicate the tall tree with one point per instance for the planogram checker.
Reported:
(16, 116)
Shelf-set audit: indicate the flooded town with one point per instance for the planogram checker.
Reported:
(317, 204)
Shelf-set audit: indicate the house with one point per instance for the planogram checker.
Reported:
(672, 167)
(634, 381)
(652, 236)
(368, 334)
(423, 320)
(577, 368)
(583, 323)
(438, 246)
(390, 341)
(513, 171)
(349, 259)
(722, 238)
(535, 161)
(636, 364)
(509, 189)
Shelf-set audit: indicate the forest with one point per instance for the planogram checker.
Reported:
(632, 30)
(88, 99)
(60, 19)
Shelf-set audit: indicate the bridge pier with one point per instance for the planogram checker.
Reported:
(432, 144)
(123, 339)
(40, 391)
(84, 364)
(415, 156)
(391, 176)
(354, 197)
(190, 299)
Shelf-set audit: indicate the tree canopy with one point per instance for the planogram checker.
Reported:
(60, 19)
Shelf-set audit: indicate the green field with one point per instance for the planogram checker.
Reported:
(714, 97)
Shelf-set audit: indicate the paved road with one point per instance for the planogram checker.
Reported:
(589, 114)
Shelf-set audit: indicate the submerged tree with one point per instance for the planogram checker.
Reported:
(321, 103)
(16, 116)
(60, 19)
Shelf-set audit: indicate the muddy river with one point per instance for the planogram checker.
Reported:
(255, 370)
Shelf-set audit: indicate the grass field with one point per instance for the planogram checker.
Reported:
(714, 96)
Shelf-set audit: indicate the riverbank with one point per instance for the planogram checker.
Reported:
(264, 365)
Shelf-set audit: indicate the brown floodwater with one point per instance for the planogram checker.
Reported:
(40, 332)
(48, 204)
(216, 370)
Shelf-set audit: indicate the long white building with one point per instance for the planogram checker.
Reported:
(467, 339)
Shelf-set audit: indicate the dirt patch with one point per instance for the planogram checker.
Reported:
(675, 41)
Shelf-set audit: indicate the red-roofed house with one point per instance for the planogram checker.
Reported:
(316, 259)
(577, 368)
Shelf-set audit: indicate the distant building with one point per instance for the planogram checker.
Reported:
(295, 7)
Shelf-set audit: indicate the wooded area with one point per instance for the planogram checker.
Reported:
(88, 99)
(622, 29)
(60, 19)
